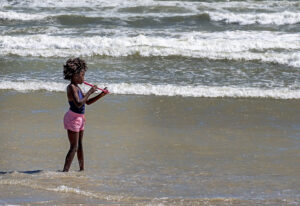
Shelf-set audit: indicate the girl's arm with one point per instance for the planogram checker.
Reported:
(96, 98)
(73, 95)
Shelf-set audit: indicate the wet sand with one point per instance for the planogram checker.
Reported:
(152, 150)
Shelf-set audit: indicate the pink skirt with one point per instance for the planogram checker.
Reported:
(74, 121)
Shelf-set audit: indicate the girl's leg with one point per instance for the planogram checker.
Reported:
(80, 151)
(73, 138)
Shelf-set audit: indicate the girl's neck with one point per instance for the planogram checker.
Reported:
(73, 82)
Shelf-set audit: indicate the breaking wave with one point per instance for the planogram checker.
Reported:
(164, 90)
(231, 45)
(276, 18)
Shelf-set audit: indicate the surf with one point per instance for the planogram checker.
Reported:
(162, 90)
(275, 47)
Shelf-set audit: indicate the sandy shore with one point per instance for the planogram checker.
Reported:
(148, 147)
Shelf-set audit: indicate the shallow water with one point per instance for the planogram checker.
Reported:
(152, 150)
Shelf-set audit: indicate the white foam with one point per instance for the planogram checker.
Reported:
(33, 86)
(11, 15)
(60, 188)
(63, 188)
(204, 91)
(165, 90)
(253, 4)
(81, 3)
(66, 189)
(278, 18)
(233, 45)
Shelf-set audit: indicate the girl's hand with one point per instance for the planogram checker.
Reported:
(93, 89)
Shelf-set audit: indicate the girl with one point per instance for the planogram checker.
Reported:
(74, 120)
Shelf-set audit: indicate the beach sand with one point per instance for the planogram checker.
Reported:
(151, 150)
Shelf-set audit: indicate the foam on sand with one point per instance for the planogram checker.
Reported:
(60, 189)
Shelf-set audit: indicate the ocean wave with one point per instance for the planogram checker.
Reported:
(240, 12)
(95, 17)
(231, 45)
(276, 18)
(163, 90)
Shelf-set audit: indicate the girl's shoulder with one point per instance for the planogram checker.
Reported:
(72, 88)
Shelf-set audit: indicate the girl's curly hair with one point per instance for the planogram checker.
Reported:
(74, 66)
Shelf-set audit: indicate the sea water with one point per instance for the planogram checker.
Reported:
(203, 105)
(188, 48)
